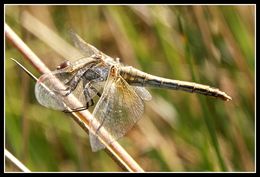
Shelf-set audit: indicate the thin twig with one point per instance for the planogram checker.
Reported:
(115, 150)
(16, 162)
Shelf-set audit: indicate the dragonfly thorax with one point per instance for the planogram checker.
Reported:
(102, 72)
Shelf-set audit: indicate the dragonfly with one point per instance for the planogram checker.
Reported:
(121, 90)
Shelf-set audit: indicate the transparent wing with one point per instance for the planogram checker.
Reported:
(118, 109)
(87, 49)
(51, 94)
(143, 93)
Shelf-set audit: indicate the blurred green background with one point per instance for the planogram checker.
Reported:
(212, 45)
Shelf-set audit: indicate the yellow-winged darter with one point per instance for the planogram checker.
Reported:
(121, 90)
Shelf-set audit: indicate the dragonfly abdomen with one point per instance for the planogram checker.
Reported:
(136, 77)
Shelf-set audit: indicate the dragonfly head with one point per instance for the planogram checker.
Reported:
(63, 65)
(97, 56)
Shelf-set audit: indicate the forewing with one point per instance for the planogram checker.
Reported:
(87, 49)
(118, 109)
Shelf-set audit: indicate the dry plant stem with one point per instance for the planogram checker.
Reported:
(115, 150)
(16, 162)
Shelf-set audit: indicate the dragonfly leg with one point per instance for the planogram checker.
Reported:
(88, 104)
(91, 103)
(77, 109)
(74, 81)
(100, 126)
(88, 97)
(87, 88)
(81, 108)
(95, 90)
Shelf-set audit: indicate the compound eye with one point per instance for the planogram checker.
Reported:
(63, 65)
